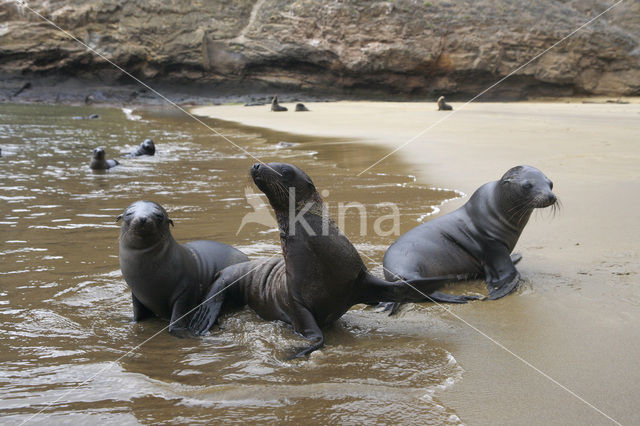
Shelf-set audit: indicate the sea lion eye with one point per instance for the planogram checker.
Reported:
(287, 173)
(527, 185)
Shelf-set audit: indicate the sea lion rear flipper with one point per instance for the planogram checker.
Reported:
(516, 257)
(436, 296)
(305, 324)
(140, 312)
(207, 313)
(440, 297)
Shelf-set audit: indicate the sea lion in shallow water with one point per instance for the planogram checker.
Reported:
(477, 239)
(167, 279)
(321, 275)
(146, 147)
(275, 106)
(98, 161)
(442, 105)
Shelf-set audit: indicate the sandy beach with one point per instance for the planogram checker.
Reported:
(575, 317)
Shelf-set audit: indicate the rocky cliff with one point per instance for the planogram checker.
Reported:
(401, 47)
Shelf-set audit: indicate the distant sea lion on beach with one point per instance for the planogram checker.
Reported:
(477, 239)
(24, 87)
(146, 147)
(88, 117)
(442, 105)
(167, 279)
(98, 161)
(321, 275)
(275, 106)
(301, 107)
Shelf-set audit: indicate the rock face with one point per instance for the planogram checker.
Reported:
(402, 47)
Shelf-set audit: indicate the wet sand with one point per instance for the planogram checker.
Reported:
(575, 316)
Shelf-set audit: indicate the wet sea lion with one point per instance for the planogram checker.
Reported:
(301, 107)
(98, 161)
(167, 279)
(442, 105)
(146, 147)
(477, 239)
(321, 275)
(275, 106)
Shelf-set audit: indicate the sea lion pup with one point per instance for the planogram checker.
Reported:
(98, 161)
(442, 105)
(167, 279)
(146, 147)
(275, 106)
(321, 275)
(301, 107)
(477, 239)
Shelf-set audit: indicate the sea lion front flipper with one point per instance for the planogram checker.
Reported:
(207, 313)
(391, 307)
(502, 287)
(501, 274)
(305, 324)
(140, 312)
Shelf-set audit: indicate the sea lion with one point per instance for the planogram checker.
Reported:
(166, 279)
(275, 106)
(88, 117)
(146, 147)
(98, 162)
(321, 275)
(477, 239)
(442, 105)
(301, 107)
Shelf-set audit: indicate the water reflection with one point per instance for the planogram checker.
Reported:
(65, 310)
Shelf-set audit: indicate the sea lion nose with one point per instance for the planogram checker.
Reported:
(255, 167)
(552, 198)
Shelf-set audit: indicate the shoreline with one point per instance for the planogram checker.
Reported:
(578, 293)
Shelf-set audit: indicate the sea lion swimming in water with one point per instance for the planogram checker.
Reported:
(167, 279)
(477, 239)
(98, 161)
(275, 106)
(146, 147)
(442, 105)
(321, 275)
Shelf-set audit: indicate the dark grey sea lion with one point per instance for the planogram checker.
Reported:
(477, 239)
(24, 87)
(275, 106)
(98, 161)
(321, 275)
(146, 147)
(167, 279)
(442, 105)
(301, 107)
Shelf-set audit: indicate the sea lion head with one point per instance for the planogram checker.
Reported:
(280, 181)
(144, 223)
(148, 146)
(527, 188)
(98, 154)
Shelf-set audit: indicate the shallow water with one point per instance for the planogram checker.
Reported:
(67, 343)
